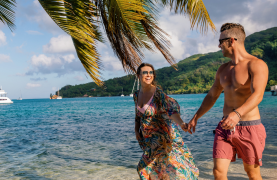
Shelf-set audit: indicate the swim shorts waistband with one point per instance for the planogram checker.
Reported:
(249, 123)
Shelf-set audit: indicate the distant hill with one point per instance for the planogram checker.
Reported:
(195, 74)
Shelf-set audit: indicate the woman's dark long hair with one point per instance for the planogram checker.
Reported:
(154, 73)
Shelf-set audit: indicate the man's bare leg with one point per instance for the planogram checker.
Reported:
(253, 171)
(221, 168)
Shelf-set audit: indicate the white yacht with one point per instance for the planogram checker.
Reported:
(3, 97)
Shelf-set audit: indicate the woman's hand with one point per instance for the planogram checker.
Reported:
(138, 135)
(184, 127)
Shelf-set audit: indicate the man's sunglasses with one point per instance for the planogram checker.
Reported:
(146, 72)
(222, 40)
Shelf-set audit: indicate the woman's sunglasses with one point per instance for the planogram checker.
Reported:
(146, 72)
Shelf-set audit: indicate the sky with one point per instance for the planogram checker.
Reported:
(38, 58)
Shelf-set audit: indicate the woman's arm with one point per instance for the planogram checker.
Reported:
(171, 107)
(137, 126)
(177, 119)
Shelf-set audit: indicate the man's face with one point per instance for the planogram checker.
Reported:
(224, 44)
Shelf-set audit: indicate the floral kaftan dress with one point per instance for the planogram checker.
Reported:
(165, 155)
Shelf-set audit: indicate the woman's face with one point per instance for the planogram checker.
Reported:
(146, 75)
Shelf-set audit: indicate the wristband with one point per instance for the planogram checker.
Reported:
(237, 114)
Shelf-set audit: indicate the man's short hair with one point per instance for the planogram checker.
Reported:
(234, 30)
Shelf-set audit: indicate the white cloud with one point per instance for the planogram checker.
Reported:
(33, 85)
(111, 63)
(43, 60)
(2, 38)
(69, 58)
(34, 32)
(43, 64)
(79, 78)
(202, 49)
(60, 44)
(54, 89)
(5, 58)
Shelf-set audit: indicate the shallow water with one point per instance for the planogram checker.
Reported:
(93, 138)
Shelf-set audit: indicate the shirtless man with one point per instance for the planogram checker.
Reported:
(240, 131)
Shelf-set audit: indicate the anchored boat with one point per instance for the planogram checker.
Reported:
(3, 97)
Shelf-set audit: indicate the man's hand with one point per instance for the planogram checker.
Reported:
(230, 121)
(192, 124)
(138, 135)
(184, 127)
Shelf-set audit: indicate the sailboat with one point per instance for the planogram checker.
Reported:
(59, 97)
(122, 95)
(20, 98)
(132, 94)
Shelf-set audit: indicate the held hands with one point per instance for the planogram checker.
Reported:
(184, 126)
(230, 121)
(192, 124)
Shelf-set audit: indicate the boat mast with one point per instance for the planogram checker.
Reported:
(134, 86)
(138, 85)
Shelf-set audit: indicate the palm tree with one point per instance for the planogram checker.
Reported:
(7, 13)
(130, 25)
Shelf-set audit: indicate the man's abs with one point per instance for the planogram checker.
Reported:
(233, 100)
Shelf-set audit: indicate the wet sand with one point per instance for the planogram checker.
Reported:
(236, 170)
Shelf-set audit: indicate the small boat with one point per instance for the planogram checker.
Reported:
(3, 97)
(59, 97)
(122, 95)
(20, 98)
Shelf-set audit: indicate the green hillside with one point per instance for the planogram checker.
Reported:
(195, 74)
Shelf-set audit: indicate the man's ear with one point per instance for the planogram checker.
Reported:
(232, 42)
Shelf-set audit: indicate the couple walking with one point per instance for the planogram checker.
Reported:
(243, 79)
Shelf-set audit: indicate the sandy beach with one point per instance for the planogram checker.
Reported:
(236, 172)
(236, 169)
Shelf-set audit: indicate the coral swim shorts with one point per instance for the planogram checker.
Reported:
(247, 141)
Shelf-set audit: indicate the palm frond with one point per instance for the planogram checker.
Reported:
(7, 13)
(78, 18)
(156, 35)
(121, 21)
(130, 27)
(196, 11)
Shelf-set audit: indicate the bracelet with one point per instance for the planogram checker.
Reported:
(237, 114)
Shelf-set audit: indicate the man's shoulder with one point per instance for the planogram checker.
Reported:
(223, 66)
(255, 62)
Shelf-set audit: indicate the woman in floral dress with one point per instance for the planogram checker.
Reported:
(165, 155)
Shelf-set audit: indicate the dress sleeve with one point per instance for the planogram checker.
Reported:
(168, 105)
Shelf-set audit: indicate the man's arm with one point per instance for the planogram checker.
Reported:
(208, 101)
(259, 76)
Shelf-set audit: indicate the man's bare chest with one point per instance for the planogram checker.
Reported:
(235, 77)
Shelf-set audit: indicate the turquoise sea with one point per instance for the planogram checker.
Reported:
(93, 138)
